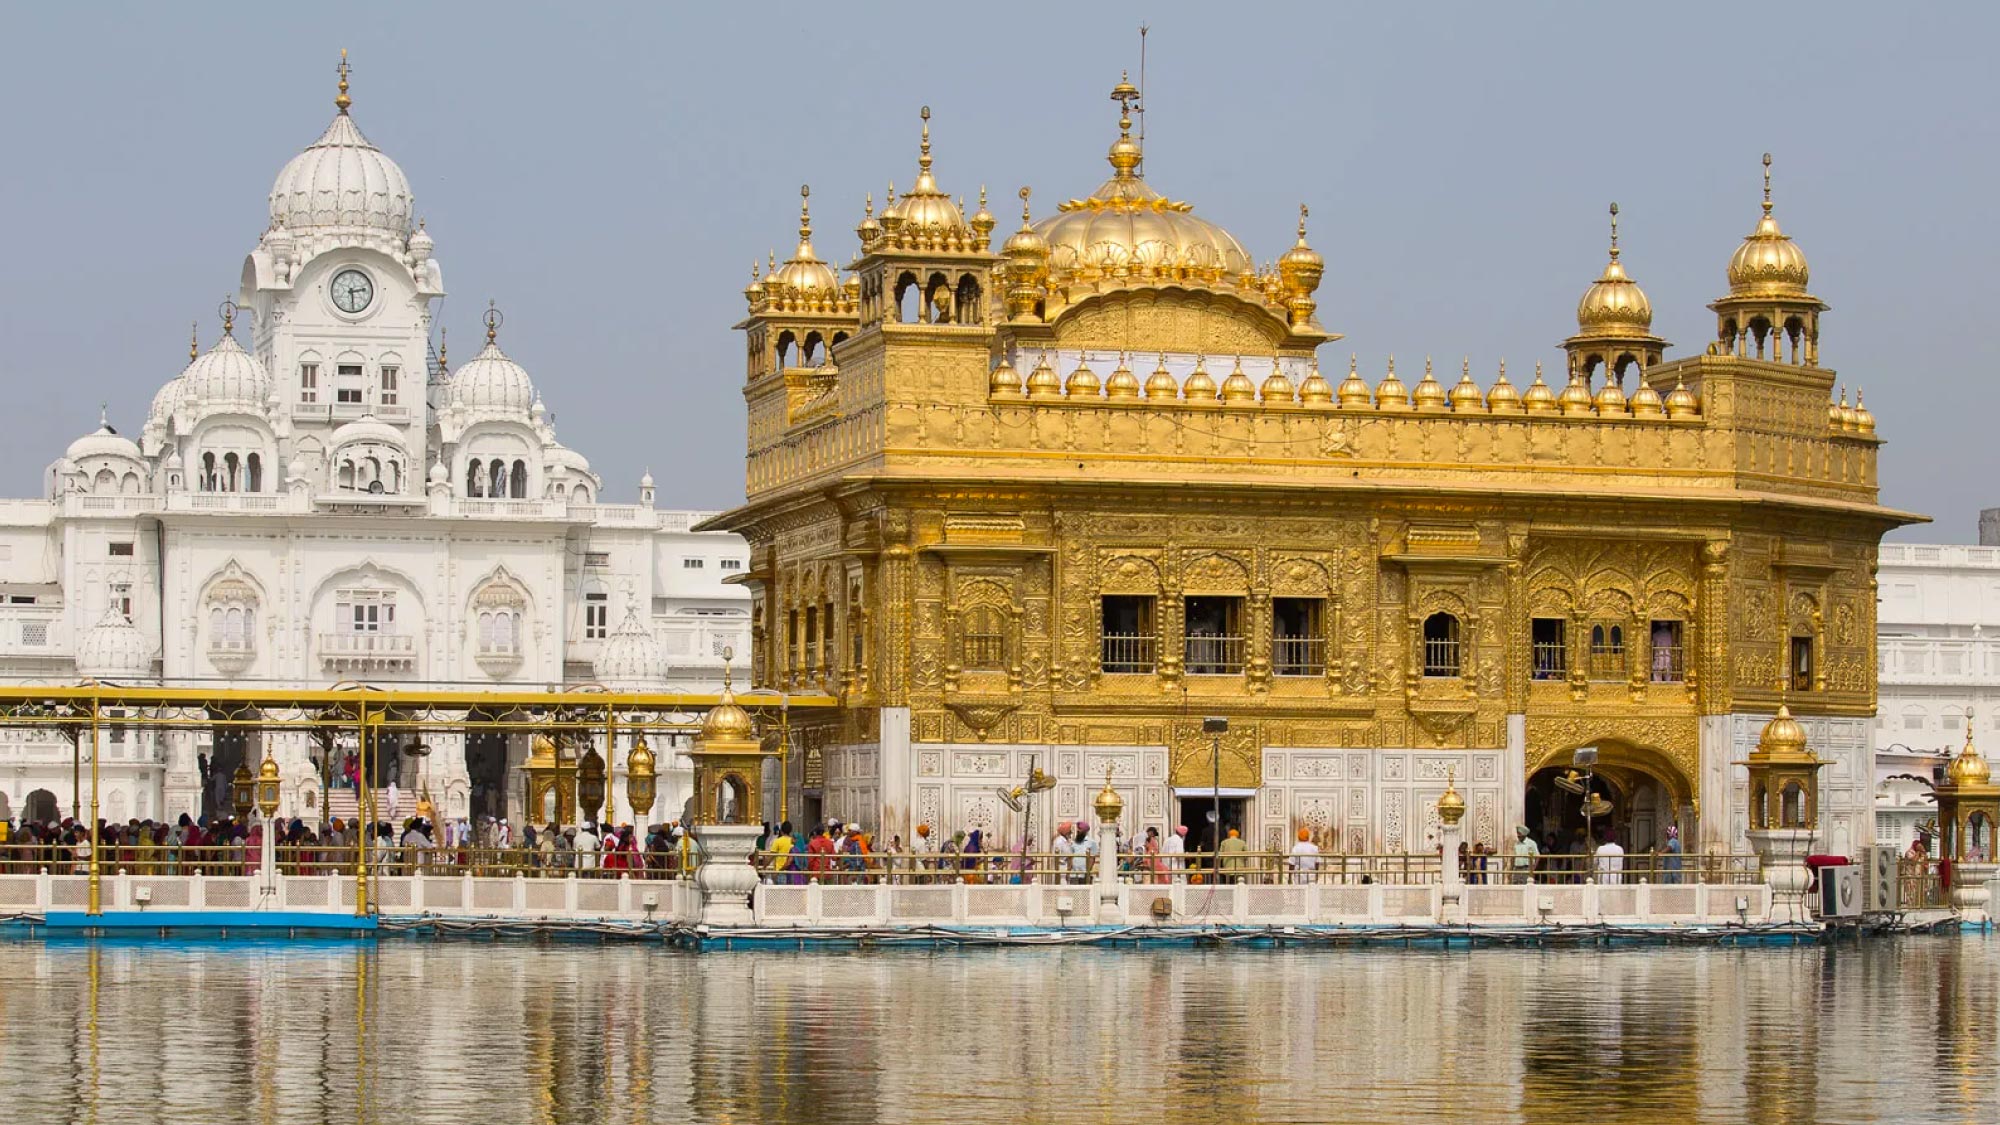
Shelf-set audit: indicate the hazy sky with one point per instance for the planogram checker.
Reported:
(607, 174)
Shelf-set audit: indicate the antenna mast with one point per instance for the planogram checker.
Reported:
(1142, 100)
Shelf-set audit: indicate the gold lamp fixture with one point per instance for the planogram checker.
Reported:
(1108, 803)
(640, 778)
(242, 791)
(1451, 806)
(590, 785)
(268, 787)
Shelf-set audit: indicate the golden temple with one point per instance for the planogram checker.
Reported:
(1057, 502)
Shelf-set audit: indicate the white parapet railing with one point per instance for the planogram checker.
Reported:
(449, 896)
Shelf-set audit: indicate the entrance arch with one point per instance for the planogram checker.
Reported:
(1646, 789)
(40, 807)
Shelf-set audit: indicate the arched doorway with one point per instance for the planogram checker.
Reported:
(1645, 791)
(486, 767)
(41, 807)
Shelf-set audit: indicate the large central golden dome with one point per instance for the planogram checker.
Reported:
(1126, 229)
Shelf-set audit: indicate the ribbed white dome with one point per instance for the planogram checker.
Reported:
(166, 399)
(632, 657)
(226, 375)
(341, 180)
(367, 428)
(113, 647)
(491, 381)
(103, 442)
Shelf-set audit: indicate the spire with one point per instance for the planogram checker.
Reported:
(227, 310)
(1767, 183)
(1614, 231)
(493, 321)
(194, 339)
(1025, 214)
(444, 355)
(341, 101)
(924, 154)
(1125, 154)
(805, 218)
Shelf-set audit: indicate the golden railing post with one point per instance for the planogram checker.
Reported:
(362, 802)
(96, 903)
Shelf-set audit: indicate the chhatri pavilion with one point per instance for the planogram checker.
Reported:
(1055, 502)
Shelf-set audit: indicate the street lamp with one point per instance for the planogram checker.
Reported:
(266, 789)
(639, 780)
(242, 792)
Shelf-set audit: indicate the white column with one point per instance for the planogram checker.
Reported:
(896, 769)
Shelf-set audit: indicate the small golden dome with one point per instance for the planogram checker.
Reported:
(1539, 399)
(1681, 402)
(1083, 382)
(804, 277)
(926, 216)
(1107, 804)
(1614, 304)
(1610, 400)
(1849, 422)
(1122, 384)
(1277, 386)
(1390, 393)
(726, 720)
(1575, 397)
(1200, 385)
(1004, 382)
(1783, 737)
(1969, 767)
(1301, 268)
(1043, 382)
(1354, 394)
(1646, 402)
(1027, 244)
(1314, 391)
(1430, 394)
(1837, 411)
(1503, 398)
(1238, 387)
(1864, 421)
(868, 229)
(1161, 384)
(1769, 263)
(754, 292)
(982, 220)
(1450, 806)
(1465, 396)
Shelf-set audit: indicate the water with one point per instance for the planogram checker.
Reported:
(1898, 1031)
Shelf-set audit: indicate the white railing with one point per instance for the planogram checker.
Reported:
(1939, 661)
(1938, 554)
(377, 649)
(449, 895)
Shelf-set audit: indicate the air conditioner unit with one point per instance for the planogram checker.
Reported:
(1840, 891)
(1882, 893)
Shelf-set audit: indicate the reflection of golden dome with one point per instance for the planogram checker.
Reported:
(1503, 398)
(1161, 384)
(1768, 263)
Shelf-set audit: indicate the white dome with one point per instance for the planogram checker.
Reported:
(165, 400)
(367, 428)
(226, 375)
(113, 647)
(104, 442)
(559, 456)
(632, 656)
(341, 180)
(491, 381)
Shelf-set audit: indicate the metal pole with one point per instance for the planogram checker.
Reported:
(362, 802)
(785, 756)
(96, 904)
(610, 761)
(75, 773)
(1215, 810)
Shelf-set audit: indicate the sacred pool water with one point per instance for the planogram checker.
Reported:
(1897, 1031)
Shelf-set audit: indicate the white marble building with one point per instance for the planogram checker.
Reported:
(316, 497)
(1938, 628)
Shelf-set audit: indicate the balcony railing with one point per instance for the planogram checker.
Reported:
(368, 650)
(1668, 666)
(1129, 653)
(1299, 656)
(1551, 660)
(1440, 658)
(1607, 665)
(1214, 654)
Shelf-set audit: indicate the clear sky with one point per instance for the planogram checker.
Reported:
(606, 173)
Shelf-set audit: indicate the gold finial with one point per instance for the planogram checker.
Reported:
(1354, 363)
(341, 101)
(805, 212)
(1503, 367)
(982, 197)
(924, 150)
(868, 206)
(227, 310)
(1025, 193)
(772, 258)
(444, 347)
(1125, 94)
(1465, 368)
(194, 339)
(1767, 183)
(1303, 212)
(493, 321)
(1614, 232)
(890, 199)
(1538, 371)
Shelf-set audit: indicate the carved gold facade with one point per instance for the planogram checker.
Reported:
(1072, 496)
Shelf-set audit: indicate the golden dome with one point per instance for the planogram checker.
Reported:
(726, 720)
(1611, 399)
(1837, 412)
(1429, 394)
(1238, 387)
(1465, 396)
(1646, 402)
(925, 217)
(1354, 394)
(1200, 385)
(1004, 382)
(1783, 737)
(1083, 382)
(1575, 397)
(1450, 806)
(1277, 387)
(868, 229)
(804, 277)
(1864, 421)
(1539, 399)
(1301, 267)
(1126, 229)
(1161, 384)
(1026, 244)
(1314, 391)
(1769, 263)
(1390, 393)
(1614, 305)
(1503, 398)
(754, 291)
(1969, 767)
(1122, 384)
(1681, 402)
(982, 221)
(1043, 382)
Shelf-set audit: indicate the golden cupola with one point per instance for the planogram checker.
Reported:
(1390, 394)
(925, 218)
(1315, 391)
(1430, 394)
(1354, 392)
(1465, 396)
(1301, 270)
(1503, 398)
(1027, 268)
(1161, 384)
(1539, 399)
(1277, 386)
(1122, 384)
(1768, 313)
(804, 281)
(1614, 323)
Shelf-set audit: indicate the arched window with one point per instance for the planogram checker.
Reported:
(253, 479)
(579, 495)
(967, 300)
(208, 472)
(503, 631)
(106, 481)
(232, 470)
(517, 481)
(1441, 658)
(474, 482)
(347, 475)
(486, 632)
(1792, 806)
(131, 484)
(904, 313)
(497, 482)
(393, 474)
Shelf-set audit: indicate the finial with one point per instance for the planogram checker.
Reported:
(1503, 367)
(1767, 183)
(1465, 368)
(1392, 365)
(341, 101)
(227, 311)
(1614, 231)
(444, 348)
(1025, 193)
(1303, 212)
(890, 199)
(728, 654)
(103, 415)
(1354, 363)
(772, 258)
(982, 197)
(805, 212)
(924, 150)
(194, 339)
(1538, 371)
(493, 321)
(1427, 367)
(868, 206)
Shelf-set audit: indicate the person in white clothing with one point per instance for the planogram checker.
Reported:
(1064, 850)
(1610, 861)
(1304, 860)
(1173, 853)
(586, 848)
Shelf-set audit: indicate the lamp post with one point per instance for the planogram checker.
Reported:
(640, 784)
(1215, 726)
(1108, 805)
(1450, 810)
(267, 803)
(784, 742)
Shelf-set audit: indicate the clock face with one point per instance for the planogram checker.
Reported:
(352, 291)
